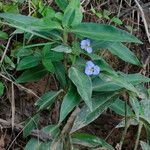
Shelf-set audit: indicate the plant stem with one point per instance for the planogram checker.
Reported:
(123, 135)
(125, 95)
(138, 135)
(65, 37)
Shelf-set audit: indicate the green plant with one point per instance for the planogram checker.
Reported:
(88, 85)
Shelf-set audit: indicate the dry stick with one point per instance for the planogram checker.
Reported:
(20, 86)
(6, 48)
(144, 20)
(67, 127)
(12, 106)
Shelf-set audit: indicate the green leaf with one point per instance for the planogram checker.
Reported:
(102, 32)
(11, 8)
(117, 20)
(119, 107)
(101, 84)
(60, 73)
(1, 88)
(135, 106)
(28, 62)
(30, 24)
(35, 144)
(62, 48)
(83, 84)
(90, 140)
(123, 53)
(3, 35)
(33, 74)
(72, 15)
(135, 79)
(62, 4)
(70, 100)
(48, 65)
(47, 99)
(52, 130)
(53, 56)
(144, 145)
(86, 116)
(30, 124)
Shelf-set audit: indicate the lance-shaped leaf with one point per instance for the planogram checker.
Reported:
(86, 116)
(70, 100)
(103, 32)
(83, 84)
(47, 99)
(90, 140)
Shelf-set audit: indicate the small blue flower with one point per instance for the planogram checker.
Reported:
(86, 45)
(91, 68)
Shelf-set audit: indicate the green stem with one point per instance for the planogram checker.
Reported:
(138, 135)
(65, 37)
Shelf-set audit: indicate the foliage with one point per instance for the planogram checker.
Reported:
(86, 81)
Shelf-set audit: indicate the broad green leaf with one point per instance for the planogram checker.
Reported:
(53, 56)
(1, 88)
(62, 4)
(119, 107)
(30, 24)
(72, 15)
(3, 35)
(103, 32)
(60, 73)
(83, 84)
(70, 100)
(47, 99)
(22, 52)
(33, 74)
(135, 79)
(124, 83)
(48, 65)
(86, 116)
(90, 141)
(62, 48)
(30, 124)
(35, 144)
(123, 53)
(28, 62)
(100, 84)
(135, 106)
(144, 145)
(52, 130)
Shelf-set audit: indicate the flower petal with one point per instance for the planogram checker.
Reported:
(88, 42)
(96, 70)
(83, 44)
(89, 64)
(88, 71)
(89, 49)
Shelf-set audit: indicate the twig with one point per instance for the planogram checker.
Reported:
(138, 135)
(6, 48)
(36, 133)
(144, 20)
(20, 86)
(12, 106)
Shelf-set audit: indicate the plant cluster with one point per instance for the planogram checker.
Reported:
(71, 50)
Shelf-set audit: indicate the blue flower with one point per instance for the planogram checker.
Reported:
(86, 45)
(91, 68)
